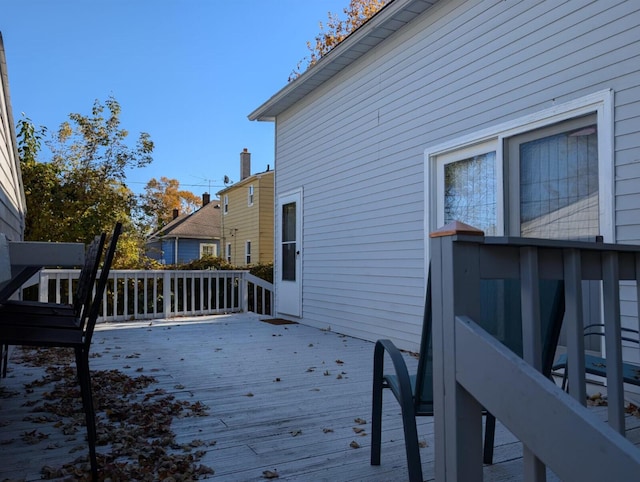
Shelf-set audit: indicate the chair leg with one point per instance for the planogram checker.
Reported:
(4, 359)
(489, 438)
(411, 440)
(84, 377)
(376, 419)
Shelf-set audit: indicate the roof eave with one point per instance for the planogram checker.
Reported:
(382, 25)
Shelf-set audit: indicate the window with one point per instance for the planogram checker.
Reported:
(228, 256)
(289, 242)
(468, 187)
(247, 251)
(553, 181)
(225, 202)
(250, 195)
(548, 175)
(208, 249)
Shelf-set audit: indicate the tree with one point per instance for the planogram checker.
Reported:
(336, 30)
(161, 197)
(81, 191)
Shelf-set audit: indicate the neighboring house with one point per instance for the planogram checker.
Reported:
(188, 237)
(12, 200)
(515, 117)
(247, 216)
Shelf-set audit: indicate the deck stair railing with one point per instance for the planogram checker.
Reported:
(149, 294)
(472, 369)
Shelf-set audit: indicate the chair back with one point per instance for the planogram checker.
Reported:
(87, 278)
(501, 316)
(94, 310)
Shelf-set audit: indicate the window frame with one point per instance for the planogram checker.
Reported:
(208, 245)
(250, 193)
(600, 103)
(225, 203)
(247, 251)
(228, 252)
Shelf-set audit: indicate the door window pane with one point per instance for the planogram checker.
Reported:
(559, 185)
(470, 192)
(289, 242)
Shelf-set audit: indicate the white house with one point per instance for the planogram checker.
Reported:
(518, 117)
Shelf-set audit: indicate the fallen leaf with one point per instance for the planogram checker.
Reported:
(360, 421)
(295, 433)
(270, 474)
(327, 430)
(354, 445)
(358, 429)
(422, 444)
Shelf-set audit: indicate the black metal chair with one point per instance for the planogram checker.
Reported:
(597, 365)
(77, 337)
(81, 295)
(65, 315)
(500, 316)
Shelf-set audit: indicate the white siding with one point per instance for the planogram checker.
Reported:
(357, 143)
(12, 209)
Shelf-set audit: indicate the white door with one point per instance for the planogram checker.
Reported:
(289, 257)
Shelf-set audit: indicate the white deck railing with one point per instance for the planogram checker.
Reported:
(473, 370)
(148, 294)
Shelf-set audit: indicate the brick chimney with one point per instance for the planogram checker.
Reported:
(176, 213)
(245, 164)
(206, 198)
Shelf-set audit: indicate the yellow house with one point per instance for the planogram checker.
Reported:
(247, 216)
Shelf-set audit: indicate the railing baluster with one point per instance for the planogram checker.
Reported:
(534, 469)
(613, 342)
(574, 322)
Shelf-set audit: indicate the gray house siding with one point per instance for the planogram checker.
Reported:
(356, 145)
(12, 203)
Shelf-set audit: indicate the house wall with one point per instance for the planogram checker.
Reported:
(357, 144)
(12, 203)
(255, 223)
(264, 249)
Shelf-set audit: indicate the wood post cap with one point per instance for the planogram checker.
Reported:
(456, 227)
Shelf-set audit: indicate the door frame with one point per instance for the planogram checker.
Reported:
(289, 295)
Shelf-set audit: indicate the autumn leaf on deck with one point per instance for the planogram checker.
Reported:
(360, 421)
(354, 445)
(270, 474)
(327, 430)
(422, 444)
(295, 433)
(339, 362)
(358, 429)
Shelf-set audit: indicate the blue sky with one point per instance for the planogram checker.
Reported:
(188, 72)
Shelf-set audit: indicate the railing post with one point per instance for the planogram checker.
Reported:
(457, 415)
(166, 294)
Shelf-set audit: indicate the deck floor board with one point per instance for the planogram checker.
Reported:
(279, 397)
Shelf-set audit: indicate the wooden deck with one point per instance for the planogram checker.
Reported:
(280, 398)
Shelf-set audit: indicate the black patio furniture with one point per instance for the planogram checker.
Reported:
(500, 316)
(78, 337)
